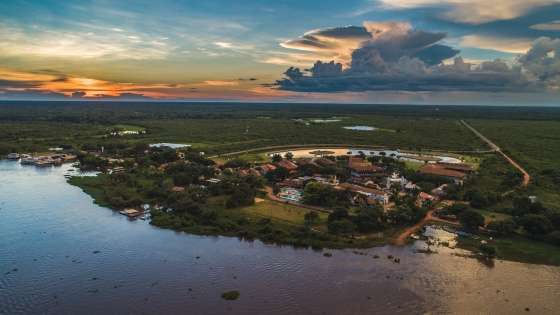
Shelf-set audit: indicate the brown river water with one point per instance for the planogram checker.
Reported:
(62, 254)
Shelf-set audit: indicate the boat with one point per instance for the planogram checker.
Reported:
(131, 213)
(28, 161)
(44, 163)
(13, 156)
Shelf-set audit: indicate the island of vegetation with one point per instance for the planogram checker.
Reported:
(229, 175)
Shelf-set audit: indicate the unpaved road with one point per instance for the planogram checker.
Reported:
(495, 148)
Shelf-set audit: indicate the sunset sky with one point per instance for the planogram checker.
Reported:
(370, 51)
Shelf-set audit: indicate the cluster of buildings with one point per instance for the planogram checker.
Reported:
(367, 183)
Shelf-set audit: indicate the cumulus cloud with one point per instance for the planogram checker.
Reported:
(473, 11)
(391, 40)
(400, 58)
(542, 61)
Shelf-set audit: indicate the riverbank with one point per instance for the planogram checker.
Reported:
(268, 221)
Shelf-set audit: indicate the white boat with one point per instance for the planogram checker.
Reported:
(13, 156)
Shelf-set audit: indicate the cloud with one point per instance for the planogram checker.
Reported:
(542, 61)
(390, 39)
(220, 83)
(473, 11)
(508, 45)
(550, 26)
(335, 43)
(400, 58)
(104, 44)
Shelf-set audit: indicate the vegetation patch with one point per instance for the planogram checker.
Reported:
(231, 295)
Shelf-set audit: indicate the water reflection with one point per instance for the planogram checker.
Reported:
(62, 254)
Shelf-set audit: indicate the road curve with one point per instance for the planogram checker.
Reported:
(495, 148)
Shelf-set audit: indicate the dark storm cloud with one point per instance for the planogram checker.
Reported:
(399, 58)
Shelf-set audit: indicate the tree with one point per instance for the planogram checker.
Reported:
(310, 218)
(471, 220)
(243, 195)
(502, 227)
(344, 226)
(277, 175)
(236, 163)
(487, 250)
(536, 224)
(276, 158)
(338, 214)
(319, 194)
(369, 219)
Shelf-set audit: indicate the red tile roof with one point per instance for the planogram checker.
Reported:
(439, 170)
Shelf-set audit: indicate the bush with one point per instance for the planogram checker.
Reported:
(230, 295)
(536, 224)
(471, 220)
(487, 250)
(502, 228)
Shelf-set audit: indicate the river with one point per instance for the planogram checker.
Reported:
(62, 254)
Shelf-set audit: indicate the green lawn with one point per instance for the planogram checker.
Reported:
(278, 211)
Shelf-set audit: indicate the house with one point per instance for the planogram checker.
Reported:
(425, 199)
(411, 187)
(395, 180)
(360, 167)
(442, 171)
(324, 162)
(117, 170)
(378, 195)
(289, 165)
(293, 183)
(213, 180)
(440, 192)
(177, 189)
(266, 168)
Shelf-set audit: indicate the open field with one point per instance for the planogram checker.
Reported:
(281, 212)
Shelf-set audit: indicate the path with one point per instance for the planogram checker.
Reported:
(495, 148)
(294, 147)
(403, 237)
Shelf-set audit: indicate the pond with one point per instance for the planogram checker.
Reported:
(169, 145)
(62, 254)
(360, 128)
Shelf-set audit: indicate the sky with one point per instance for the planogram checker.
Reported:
(500, 52)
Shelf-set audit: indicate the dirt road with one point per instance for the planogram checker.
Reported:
(403, 237)
(495, 148)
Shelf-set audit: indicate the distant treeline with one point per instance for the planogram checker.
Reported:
(106, 112)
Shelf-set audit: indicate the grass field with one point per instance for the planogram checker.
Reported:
(282, 212)
(518, 248)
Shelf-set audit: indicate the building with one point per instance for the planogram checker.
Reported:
(442, 171)
(461, 167)
(360, 167)
(289, 165)
(425, 199)
(440, 192)
(290, 194)
(395, 180)
(378, 195)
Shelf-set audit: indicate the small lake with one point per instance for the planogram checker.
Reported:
(62, 254)
(360, 128)
(169, 145)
